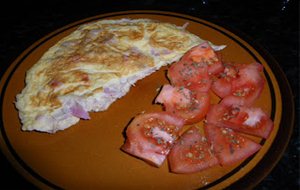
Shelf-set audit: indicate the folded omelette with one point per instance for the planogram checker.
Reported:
(95, 65)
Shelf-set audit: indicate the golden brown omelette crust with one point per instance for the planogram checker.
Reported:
(88, 51)
(81, 63)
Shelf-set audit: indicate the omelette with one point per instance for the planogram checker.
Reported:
(95, 65)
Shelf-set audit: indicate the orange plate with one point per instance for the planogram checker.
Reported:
(88, 154)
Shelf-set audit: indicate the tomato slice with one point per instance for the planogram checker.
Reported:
(229, 146)
(204, 53)
(191, 153)
(249, 85)
(151, 136)
(246, 85)
(193, 76)
(180, 101)
(249, 120)
(222, 86)
(193, 69)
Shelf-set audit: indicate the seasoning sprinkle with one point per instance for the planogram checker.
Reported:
(189, 155)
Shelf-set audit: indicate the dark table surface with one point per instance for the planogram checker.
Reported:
(273, 24)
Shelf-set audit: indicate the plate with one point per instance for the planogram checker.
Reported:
(88, 154)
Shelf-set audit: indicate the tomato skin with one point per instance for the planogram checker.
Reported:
(229, 146)
(150, 136)
(189, 105)
(249, 120)
(191, 153)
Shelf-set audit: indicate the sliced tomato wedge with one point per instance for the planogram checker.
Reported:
(249, 85)
(193, 76)
(180, 101)
(193, 70)
(246, 85)
(222, 86)
(229, 146)
(191, 153)
(249, 120)
(151, 136)
(204, 53)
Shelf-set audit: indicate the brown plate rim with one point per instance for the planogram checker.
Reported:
(271, 157)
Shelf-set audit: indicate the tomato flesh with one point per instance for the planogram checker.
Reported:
(249, 120)
(252, 121)
(222, 86)
(243, 83)
(193, 70)
(249, 85)
(191, 153)
(189, 105)
(151, 136)
(229, 146)
(190, 75)
(204, 53)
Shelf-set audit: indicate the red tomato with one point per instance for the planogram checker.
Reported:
(229, 146)
(151, 136)
(204, 53)
(247, 120)
(192, 71)
(222, 86)
(180, 101)
(249, 85)
(192, 76)
(191, 153)
(245, 86)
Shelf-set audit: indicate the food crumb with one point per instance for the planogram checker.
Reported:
(204, 180)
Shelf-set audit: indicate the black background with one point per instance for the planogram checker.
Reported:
(273, 24)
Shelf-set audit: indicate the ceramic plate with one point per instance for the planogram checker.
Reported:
(88, 154)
